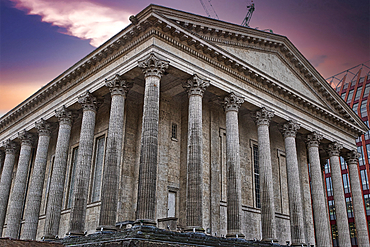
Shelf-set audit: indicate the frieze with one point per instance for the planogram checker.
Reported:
(207, 53)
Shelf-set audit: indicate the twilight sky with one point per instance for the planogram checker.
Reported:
(39, 39)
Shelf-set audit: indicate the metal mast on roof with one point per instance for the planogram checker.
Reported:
(206, 9)
(248, 17)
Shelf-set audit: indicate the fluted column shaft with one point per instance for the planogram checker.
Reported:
(357, 200)
(266, 183)
(18, 193)
(339, 200)
(234, 199)
(54, 205)
(109, 196)
(89, 105)
(321, 221)
(6, 180)
(294, 189)
(32, 211)
(195, 88)
(152, 67)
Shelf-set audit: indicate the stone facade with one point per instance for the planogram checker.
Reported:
(178, 121)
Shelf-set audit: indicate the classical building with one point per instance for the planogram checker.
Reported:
(353, 85)
(186, 123)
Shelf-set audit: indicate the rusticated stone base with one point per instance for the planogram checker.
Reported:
(143, 236)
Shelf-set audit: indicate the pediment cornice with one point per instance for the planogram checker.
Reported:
(174, 33)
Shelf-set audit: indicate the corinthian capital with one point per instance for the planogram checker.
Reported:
(10, 147)
(233, 102)
(153, 66)
(313, 139)
(263, 116)
(195, 85)
(64, 115)
(43, 127)
(89, 102)
(334, 149)
(352, 157)
(118, 86)
(26, 137)
(290, 128)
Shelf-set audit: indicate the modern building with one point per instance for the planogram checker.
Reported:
(353, 85)
(185, 123)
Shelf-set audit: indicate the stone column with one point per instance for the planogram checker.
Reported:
(109, 196)
(262, 118)
(54, 206)
(357, 200)
(89, 105)
(153, 68)
(339, 200)
(195, 88)
(6, 179)
(234, 198)
(18, 193)
(321, 221)
(294, 189)
(34, 196)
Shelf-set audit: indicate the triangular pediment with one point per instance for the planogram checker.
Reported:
(274, 66)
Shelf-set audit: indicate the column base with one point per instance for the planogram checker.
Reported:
(106, 228)
(48, 238)
(146, 222)
(73, 234)
(270, 240)
(236, 235)
(194, 229)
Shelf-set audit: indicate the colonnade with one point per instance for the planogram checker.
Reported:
(153, 69)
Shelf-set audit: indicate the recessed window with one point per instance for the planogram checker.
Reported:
(171, 206)
(349, 207)
(332, 210)
(72, 178)
(256, 176)
(350, 95)
(98, 169)
(346, 183)
(174, 131)
(358, 93)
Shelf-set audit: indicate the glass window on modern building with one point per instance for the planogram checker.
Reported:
(327, 167)
(363, 109)
(346, 183)
(343, 95)
(352, 230)
(364, 180)
(350, 95)
(332, 210)
(361, 80)
(361, 160)
(358, 93)
(329, 186)
(353, 82)
(343, 163)
(334, 233)
(349, 207)
(367, 90)
(355, 108)
(367, 203)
